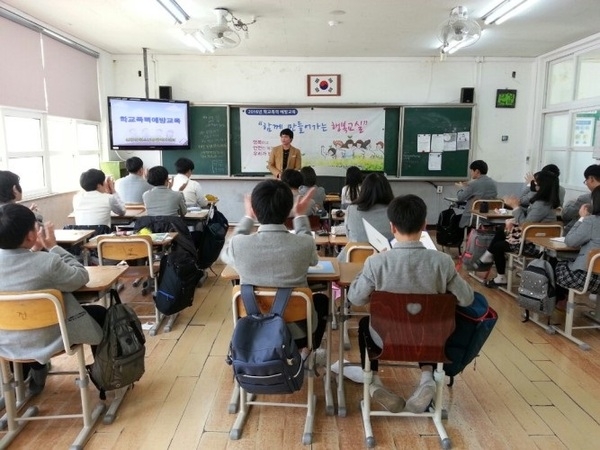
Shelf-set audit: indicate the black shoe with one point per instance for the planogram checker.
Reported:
(37, 380)
(492, 284)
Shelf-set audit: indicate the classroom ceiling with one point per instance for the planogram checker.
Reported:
(301, 28)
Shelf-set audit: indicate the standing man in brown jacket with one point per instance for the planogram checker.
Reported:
(284, 156)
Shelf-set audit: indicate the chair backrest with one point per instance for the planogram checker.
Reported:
(313, 220)
(594, 261)
(31, 310)
(357, 252)
(125, 248)
(549, 229)
(413, 327)
(492, 203)
(98, 229)
(297, 308)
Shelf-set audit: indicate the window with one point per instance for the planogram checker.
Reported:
(48, 153)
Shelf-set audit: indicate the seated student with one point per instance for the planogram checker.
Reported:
(371, 205)
(570, 211)
(407, 268)
(23, 268)
(309, 179)
(480, 187)
(192, 191)
(542, 209)
(529, 190)
(12, 192)
(131, 187)
(274, 257)
(349, 194)
(294, 180)
(94, 205)
(161, 200)
(585, 234)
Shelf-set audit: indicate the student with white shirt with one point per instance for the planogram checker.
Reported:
(192, 191)
(98, 199)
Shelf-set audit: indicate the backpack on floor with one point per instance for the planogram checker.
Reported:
(119, 358)
(264, 356)
(177, 280)
(477, 243)
(474, 323)
(448, 233)
(210, 239)
(537, 290)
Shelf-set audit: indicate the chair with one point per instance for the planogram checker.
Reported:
(567, 331)
(492, 204)
(313, 220)
(414, 328)
(299, 308)
(128, 248)
(518, 260)
(29, 311)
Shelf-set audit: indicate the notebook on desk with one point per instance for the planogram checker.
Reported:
(322, 267)
(380, 243)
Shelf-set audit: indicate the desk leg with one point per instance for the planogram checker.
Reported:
(329, 406)
(341, 395)
(568, 329)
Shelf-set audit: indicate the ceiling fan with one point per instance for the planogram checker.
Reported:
(222, 35)
(458, 31)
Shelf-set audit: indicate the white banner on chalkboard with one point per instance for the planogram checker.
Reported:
(327, 137)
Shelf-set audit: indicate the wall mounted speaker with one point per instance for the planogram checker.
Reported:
(165, 92)
(467, 95)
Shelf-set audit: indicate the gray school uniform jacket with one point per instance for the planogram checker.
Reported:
(585, 233)
(355, 229)
(409, 268)
(536, 212)
(162, 201)
(57, 269)
(480, 188)
(272, 257)
(570, 211)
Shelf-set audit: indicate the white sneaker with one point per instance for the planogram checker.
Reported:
(386, 398)
(593, 297)
(320, 357)
(353, 373)
(421, 398)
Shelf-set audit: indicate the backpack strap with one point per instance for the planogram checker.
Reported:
(114, 297)
(282, 297)
(247, 291)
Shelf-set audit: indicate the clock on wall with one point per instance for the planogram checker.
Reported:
(506, 98)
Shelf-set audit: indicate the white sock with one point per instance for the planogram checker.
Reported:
(377, 380)
(500, 278)
(487, 257)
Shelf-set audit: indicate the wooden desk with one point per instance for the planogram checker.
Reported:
(493, 217)
(131, 212)
(229, 273)
(338, 239)
(550, 244)
(102, 277)
(197, 215)
(72, 237)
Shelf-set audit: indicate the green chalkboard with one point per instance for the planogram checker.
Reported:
(208, 142)
(448, 127)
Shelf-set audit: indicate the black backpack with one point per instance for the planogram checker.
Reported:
(264, 356)
(537, 290)
(177, 280)
(474, 323)
(448, 233)
(119, 358)
(210, 240)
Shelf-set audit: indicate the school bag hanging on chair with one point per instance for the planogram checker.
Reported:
(448, 232)
(474, 323)
(263, 354)
(477, 243)
(119, 358)
(209, 241)
(537, 290)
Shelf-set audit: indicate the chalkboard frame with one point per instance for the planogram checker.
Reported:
(464, 156)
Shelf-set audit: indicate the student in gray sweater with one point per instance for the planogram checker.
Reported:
(407, 268)
(161, 200)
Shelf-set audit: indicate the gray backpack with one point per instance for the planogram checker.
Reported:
(119, 358)
(537, 291)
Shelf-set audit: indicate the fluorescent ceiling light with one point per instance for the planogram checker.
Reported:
(505, 10)
(175, 10)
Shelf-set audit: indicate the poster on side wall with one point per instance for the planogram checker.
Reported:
(328, 138)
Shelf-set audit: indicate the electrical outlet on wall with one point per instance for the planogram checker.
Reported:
(439, 189)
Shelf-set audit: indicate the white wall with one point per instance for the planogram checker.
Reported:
(401, 81)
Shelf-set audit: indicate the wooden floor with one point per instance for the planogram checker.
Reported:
(528, 389)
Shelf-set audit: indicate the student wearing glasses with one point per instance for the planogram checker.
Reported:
(570, 212)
